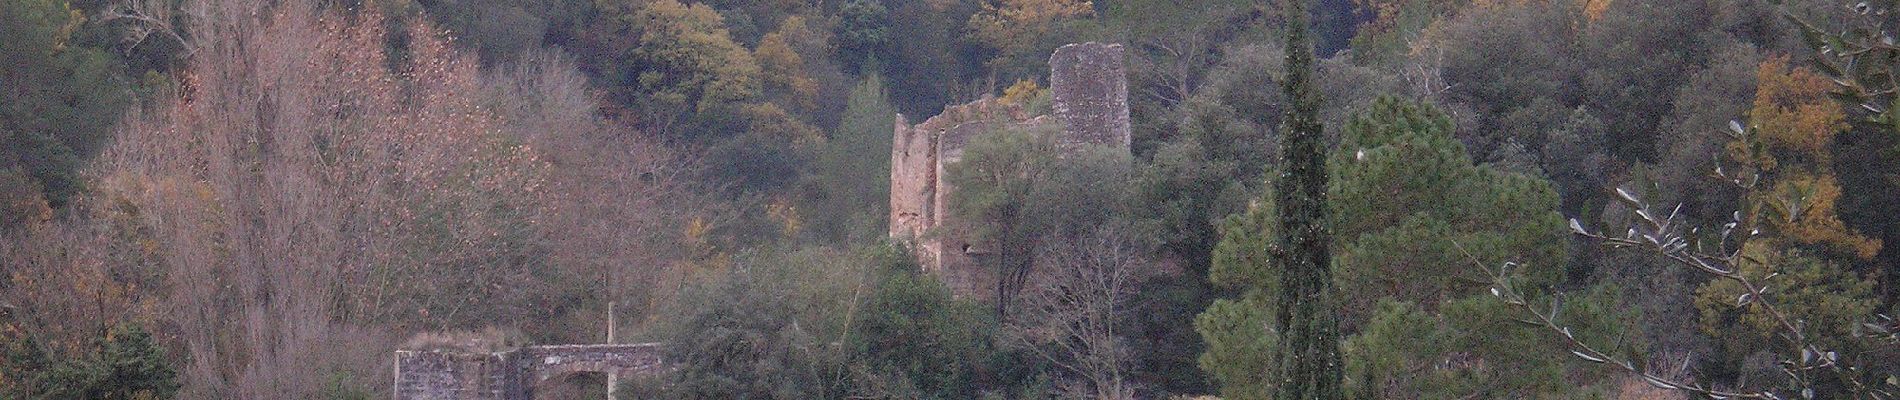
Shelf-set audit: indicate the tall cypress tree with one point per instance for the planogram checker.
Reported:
(1309, 348)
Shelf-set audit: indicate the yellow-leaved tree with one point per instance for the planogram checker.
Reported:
(1790, 191)
(1794, 198)
(1021, 31)
(782, 57)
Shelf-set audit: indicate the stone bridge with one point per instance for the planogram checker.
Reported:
(513, 374)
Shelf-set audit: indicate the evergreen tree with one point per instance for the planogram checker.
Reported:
(1410, 211)
(1240, 347)
(126, 364)
(1309, 347)
(58, 99)
(997, 184)
(23, 364)
(863, 33)
(847, 177)
(918, 340)
(134, 366)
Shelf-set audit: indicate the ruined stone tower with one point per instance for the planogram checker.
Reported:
(1089, 97)
(1090, 93)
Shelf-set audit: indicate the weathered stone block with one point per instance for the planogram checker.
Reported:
(1089, 89)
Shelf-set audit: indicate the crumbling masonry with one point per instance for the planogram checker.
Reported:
(1089, 97)
(448, 374)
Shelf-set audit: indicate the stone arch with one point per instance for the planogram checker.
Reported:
(513, 374)
(543, 364)
(570, 385)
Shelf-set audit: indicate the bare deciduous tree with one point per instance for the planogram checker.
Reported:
(144, 19)
(1072, 312)
(299, 188)
(66, 285)
(617, 200)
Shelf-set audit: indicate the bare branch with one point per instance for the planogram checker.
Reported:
(1581, 350)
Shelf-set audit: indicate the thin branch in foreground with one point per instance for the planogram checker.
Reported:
(1502, 288)
(1665, 236)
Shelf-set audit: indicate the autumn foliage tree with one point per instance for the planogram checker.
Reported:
(672, 61)
(1783, 162)
(305, 169)
(1787, 158)
(615, 202)
(1786, 318)
(1021, 32)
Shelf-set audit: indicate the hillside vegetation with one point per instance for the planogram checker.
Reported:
(1323, 199)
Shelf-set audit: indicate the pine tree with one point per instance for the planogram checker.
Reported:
(127, 363)
(135, 366)
(1309, 348)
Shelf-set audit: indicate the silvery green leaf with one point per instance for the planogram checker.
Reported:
(1577, 227)
(1587, 357)
(1627, 196)
(1659, 383)
(1735, 126)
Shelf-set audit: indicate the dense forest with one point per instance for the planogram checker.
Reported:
(1323, 199)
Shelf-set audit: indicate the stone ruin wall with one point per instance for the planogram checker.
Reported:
(1089, 92)
(919, 193)
(1089, 96)
(512, 374)
(449, 375)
